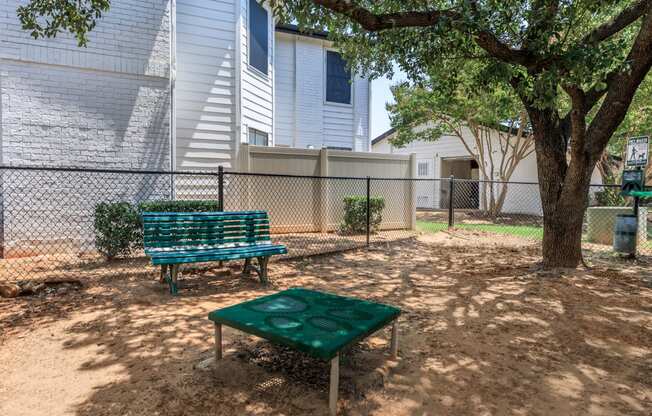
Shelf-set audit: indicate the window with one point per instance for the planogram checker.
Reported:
(338, 79)
(339, 148)
(258, 138)
(422, 169)
(258, 36)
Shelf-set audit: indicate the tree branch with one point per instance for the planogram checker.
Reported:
(622, 87)
(378, 22)
(618, 23)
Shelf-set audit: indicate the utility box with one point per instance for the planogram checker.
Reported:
(600, 223)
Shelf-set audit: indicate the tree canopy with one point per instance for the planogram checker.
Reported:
(48, 18)
(575, 65)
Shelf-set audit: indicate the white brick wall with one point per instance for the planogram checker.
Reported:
(106, 105)
(103, 106)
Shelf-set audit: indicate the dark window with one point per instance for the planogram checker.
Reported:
(258, 138)
(338, 79)
(258, 32)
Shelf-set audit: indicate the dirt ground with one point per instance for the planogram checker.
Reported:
(483, 332)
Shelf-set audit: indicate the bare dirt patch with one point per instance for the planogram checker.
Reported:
(482, 333)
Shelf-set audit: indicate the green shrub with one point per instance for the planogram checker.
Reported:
(355, 214)
(179, 206)
(611, 197)
(118, 229)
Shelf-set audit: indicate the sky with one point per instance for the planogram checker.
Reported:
(380, 95)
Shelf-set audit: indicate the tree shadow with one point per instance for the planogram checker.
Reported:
(481, 332)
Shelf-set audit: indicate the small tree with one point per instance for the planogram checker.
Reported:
(500, 138)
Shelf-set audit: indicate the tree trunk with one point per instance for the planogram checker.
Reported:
(564, 189)
(562, 238)
(563, 218)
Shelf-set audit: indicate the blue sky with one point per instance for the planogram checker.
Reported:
(380, 95)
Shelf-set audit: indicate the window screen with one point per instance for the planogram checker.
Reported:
(258, 138)
(422, 169)
(258, 40)
(338, 79)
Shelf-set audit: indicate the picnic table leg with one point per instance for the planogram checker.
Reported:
(335, 382)
(218, 342)
(394, 341)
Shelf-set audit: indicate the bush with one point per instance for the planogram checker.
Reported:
(611, 197)
(179, 206)
(118, 229)
(355, 214)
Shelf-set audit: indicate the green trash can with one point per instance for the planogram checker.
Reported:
(625, 233)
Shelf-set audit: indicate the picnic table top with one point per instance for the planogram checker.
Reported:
(319, 324)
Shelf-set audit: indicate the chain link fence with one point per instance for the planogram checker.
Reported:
(49, 227)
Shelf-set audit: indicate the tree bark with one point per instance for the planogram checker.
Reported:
(564, 187)
(562, 224)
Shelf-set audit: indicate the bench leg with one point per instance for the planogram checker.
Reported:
(164, 270)
(218, 342)
(246, 269)
(394, 341)
(335, 384)
(262, 264)
(174, 272)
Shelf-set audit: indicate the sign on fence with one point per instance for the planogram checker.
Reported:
(637, 151)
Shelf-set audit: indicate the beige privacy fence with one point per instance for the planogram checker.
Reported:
(304, 190)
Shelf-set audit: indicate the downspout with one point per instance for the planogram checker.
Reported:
(173, 107)
(238, 85)
(369, 116)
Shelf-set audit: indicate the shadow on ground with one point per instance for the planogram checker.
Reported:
(482, 332)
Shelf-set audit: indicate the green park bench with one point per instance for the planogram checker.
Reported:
(316, 323)
(175, 238)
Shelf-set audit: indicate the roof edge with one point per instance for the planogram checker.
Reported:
(295, 30)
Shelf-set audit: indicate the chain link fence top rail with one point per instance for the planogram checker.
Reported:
(48, 215)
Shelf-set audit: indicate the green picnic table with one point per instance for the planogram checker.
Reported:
(316, 323)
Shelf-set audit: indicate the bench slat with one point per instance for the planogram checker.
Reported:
(211, 228)
(240, 253)
(191, 243)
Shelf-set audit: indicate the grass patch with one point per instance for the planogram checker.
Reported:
(525, 231)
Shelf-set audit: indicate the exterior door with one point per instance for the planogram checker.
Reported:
(425, 189)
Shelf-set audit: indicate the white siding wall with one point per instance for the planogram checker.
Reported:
(257, 89)
(303, 117)
(285, 90)
(205, 84)
(520, 199)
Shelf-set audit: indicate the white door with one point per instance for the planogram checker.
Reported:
(425, 189)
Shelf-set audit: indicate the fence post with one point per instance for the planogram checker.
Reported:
(451, 199)
(413, 191)
(323, 208)
(368, 209)
(220, 188)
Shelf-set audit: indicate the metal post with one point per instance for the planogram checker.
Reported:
(636, 209)
(220, 188)
(394, 341)
(368, 209)
(334, 385)
(451, 210)
(218, 342)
